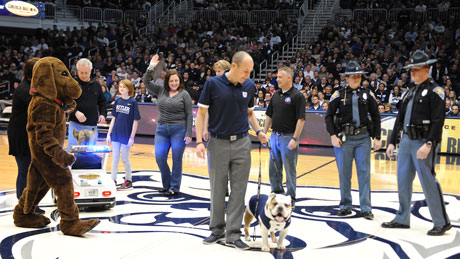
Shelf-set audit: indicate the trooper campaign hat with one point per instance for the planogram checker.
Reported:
(353, 68)
(419, 58)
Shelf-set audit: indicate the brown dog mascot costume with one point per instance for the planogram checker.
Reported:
(53, 91)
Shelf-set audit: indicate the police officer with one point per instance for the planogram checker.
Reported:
(420, 118)
(353, 125)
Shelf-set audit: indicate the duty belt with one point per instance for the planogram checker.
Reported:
(418, 131)
(349, 129)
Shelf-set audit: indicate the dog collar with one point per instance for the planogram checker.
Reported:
(59, 102)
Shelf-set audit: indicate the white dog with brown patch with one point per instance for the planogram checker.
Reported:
(273, 213)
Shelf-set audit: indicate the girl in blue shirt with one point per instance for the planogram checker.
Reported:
(122, 130)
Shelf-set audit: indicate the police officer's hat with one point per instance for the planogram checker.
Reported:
(353, 68)
(419, 58)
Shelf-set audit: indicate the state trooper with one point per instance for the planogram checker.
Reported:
(355, 130)
(420, 121)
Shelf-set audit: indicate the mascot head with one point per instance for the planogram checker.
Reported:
(52, 80)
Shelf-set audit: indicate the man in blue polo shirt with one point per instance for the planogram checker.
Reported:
(229, 98)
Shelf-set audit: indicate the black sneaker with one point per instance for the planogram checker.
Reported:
(367, 215)
(238, 244)
(127, 185)
(344, 212)
(213, 238)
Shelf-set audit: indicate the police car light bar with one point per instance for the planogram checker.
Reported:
(89, 149)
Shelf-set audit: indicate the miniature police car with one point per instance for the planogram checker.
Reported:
(93, 187)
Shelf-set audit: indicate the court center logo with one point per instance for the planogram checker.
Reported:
(145, 221)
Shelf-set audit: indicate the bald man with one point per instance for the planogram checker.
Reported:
(229, 100)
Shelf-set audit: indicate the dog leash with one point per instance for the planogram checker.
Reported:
(272, 155)
(259, 183)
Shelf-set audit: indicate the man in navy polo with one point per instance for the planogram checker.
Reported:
(229, 98)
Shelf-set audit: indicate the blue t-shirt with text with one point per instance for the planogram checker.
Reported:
(125, 111)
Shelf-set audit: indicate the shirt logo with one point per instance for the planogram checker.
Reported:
(245, 94)
(287, 100)
(122, 109)
(424, 92)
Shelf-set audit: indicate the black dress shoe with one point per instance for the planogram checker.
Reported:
(344, 212)
(367, 215)
(163, 190)
(171, 193)
(394, 224)
(439, 231)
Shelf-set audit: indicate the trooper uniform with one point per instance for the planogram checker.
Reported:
(356, 140)
(420, 121)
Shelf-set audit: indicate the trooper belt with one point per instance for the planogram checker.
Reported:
(361, 130)
(229, 137)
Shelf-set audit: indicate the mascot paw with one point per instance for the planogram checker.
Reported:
(265, 249)
(31, 220)
(69, 159)
(78, 227)
(64, 159)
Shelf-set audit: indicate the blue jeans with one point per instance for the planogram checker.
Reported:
(116, 147)
(283, 156)
(166, 137)
(23, 163)
(74, 125)
(359, 148)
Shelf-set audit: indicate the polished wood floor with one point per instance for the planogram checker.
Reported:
(316, 166)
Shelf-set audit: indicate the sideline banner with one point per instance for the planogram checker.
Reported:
(314, 131)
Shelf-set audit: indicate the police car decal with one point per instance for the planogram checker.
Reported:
(440, 92)
(334, 95)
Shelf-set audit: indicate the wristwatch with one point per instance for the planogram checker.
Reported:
(429, 143)
(295, 139)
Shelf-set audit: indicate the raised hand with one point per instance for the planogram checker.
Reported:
(155, 60)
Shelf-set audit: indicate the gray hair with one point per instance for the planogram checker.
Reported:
(84, 62)
(287, 70)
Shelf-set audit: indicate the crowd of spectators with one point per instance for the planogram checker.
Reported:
(118, 4)
(120, 52)
(248, 5)
(383, 48)
(418, 5)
